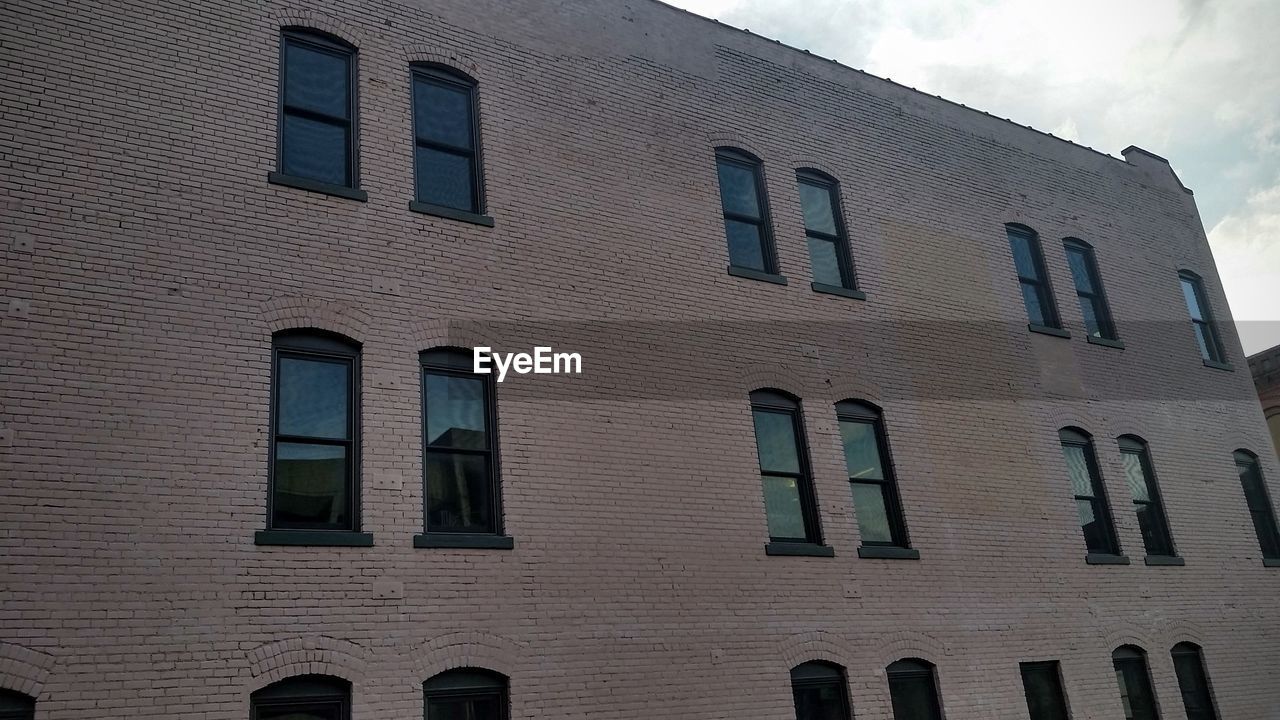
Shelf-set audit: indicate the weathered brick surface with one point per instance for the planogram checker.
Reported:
(147, 262)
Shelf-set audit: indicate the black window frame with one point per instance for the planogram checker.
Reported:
(764, 223)
(1205, 327)
(322, 42)
(863, 412)
(465, 683)
(771, 400)
(821, 675)
(1132, 657)
(844, 254)
(1261, 509)
(1041, 283)
(1198, 702)
(1165, 547)
(445, 76)
(1096, 296)
(16, 706)
(911, 670)
(1099, 501)
(303, 691)
(1058, 707)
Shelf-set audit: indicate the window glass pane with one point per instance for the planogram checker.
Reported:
(1091, 313)
(312, 398)
(1031, 300)
(463, 708)
(776, 441)
(1205, 341)
(1078, 470)
(444, 179)
(1135, 690)
(738, 189)
(458, 493)
(815, 201)
(1096, 537)
(455, 411)
(873, 513)
(1045, 700)
(782, 508)
(1193, 301)
(442, 113)
(1273, 423)
(316, 80)
(310, 484)
(1023, 257)
(1135, 476)
(824, 257)
(314, 150)
(1194, 685)
(1080, 271)
(746, 248)
(1152, 526)
(861, 452)
(913, 698)
(824, 702)
(301, 711)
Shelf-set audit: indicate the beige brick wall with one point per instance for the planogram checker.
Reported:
(147, 262)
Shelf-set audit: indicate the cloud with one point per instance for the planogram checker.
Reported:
(1246, 244)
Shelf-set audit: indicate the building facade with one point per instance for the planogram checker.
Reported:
(888, 407)
(1265, 367)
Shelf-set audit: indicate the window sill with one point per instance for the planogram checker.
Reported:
(798, 548)
(1218, 365)
(1271, 562)
(1046, 330)
(887, 552)
(1105, 559)
(837, 290)
(1165, 560)
(463, 540)
(757, 275)
(276, 178)
(331, 538)
(451, 213)
(1105, 342)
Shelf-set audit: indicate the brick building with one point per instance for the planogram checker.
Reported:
(846, 474)
(1265, 367)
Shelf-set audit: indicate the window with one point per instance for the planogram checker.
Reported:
(866, 458)
(824, 228)
(1091, 499)
(1135, 683)
(467, 694)
(820, 691)
(1201, 317)
(317, 109)
(1255, 496)
(1188, 664)
(1273, 424)
(446, 140)
(460, 459)
(1141, 480)
(784, 468)
(315, 431)
(913, 691)
(16, 706)
(1037, 295)
(1093, 302)
(1042, 682)
(305, 697)
(746, 217)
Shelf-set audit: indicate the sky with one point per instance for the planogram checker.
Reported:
(1195, 81)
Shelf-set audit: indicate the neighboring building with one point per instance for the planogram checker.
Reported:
(899, 460)
(1265, 367)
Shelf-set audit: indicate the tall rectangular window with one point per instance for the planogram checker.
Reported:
(314, 449)
(1193, 682)
(1091, 498)
(913, 691)
(1136, 695)
(1201, 317)
(1255, 495)
(784, 469)
(746, 217)
(825, 231)
(1033, 279)
(1042, 682)
(446, 140)
(1093, 301)
(1141, 480)
(317, 109)
(875, 492)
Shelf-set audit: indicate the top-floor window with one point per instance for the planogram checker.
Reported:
(1093, 301)
(790, 507)
(1140, 476)
(746, 214)
(446, 140)
(302, 697)
(1033, 279)
(317, 109)
(1256, 497)
(820, 691)
(1091, 497)
(1201, 316)
(16, 706)
(824, 228)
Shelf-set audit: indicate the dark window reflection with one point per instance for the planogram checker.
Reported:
(459, 477)
(317, 109)
(446, 156)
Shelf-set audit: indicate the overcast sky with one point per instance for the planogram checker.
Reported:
(1196, 81)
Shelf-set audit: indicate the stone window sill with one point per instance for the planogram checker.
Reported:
(1164, 560)
(837, 290)
(451, 213)
(329, 538)
(1105, 559)
(276, 178)
(1046, 330)
(1218, 365)
(1105, 342)
(888, 552)
(798, 548)
(750, 274)
(463, 540)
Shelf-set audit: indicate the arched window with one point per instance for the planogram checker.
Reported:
(1260, 508)
(871, 478)
(16, 706)
(317, 132)
(446, 136)
(1139, 699)
(466, 694)
(1141, 480)
(824, 229)
(1091, 497)
(304, 697)
(1042, 684)
(746, 214)
(1093, 300)
(1033, 278)
(914, 691)
(789, 503)
(1193, 682)
(821, 691)
(1201, 317)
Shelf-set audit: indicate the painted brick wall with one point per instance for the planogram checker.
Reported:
(147, 262)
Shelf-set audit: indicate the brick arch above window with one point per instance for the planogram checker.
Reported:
(910, 644)
(455, 651)
(447, 59)
(23, 670)
(301, 18)
(735, 141)
(306, 655)
(815, 646)
(298, 313)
